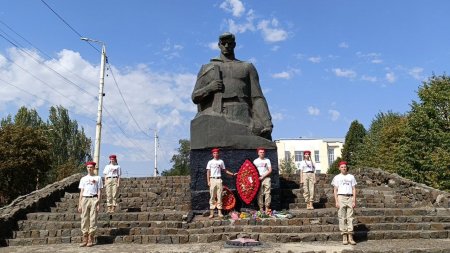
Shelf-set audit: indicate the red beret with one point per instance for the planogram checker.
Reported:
(112, 156)
(307, 152)
(342, 163)
(215, 150)
(260, 148)
(90, 163)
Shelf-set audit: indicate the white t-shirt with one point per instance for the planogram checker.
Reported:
(344, 183)
(216, 167)
(90, 185)
(112, 170)
(262, 165)
(307, 166)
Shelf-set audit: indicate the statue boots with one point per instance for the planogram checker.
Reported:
(219, 211)
(344, 239)
(84, 240)
(211, 213)
(350, 239)
(90, 241)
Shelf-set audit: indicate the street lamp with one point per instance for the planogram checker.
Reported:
(98, 129)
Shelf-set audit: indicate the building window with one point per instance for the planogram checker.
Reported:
(330, 156)
(287, 156)
(298, 156)
(316, 156)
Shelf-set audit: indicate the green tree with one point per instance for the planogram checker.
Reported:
(25, 159)
(287, 166)
(70, 148)
(180, 160)
(427, 142)
(353, 141)
(334, 167)
(382, 145)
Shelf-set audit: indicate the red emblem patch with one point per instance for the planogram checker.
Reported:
(247, 182)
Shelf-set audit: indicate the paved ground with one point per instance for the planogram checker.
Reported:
(392, 246)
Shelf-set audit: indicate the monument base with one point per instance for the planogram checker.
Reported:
(233, 159)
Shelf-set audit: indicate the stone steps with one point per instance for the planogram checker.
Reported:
(224, 236)
(233, 229)
(134, 208)
(126, 216)
(298, 221)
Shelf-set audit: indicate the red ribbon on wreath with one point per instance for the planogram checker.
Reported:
(247, 182)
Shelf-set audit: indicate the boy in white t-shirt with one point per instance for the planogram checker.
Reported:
(88, 205)
(345, 196)
(214, 178)
(264, 169)
(112, 173)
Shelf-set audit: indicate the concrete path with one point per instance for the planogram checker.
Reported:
(400, 246)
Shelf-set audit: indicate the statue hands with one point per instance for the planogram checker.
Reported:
(215, 86)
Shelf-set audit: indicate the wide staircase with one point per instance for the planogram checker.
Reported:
(157, 210)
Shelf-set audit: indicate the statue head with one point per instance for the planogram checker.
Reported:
(227, 43)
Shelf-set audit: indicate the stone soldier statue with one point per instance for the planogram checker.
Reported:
(232, 110)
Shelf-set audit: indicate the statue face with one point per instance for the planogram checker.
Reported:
(227, 46)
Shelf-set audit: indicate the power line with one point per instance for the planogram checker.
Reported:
(44, 64)
(36, 96)
(68, 25)
(123, 99)
(42, 52)
(45, 83)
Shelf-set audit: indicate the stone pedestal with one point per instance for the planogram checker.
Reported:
(233, 159)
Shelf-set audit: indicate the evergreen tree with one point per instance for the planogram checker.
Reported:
(353, 141)
(180, 160)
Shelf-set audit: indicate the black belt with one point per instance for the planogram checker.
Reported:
(93, 196)
(111, 177)
(309, 172)
(347, 195)
(216, 177)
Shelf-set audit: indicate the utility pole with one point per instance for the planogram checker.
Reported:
(98, 129)
(156, 172)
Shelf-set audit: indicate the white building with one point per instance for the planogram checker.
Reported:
(323, 151)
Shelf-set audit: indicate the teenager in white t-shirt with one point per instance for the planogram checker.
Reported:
(345, 196)
(264, 170)
(112, 173)
(89, 204)
(308, 178)
(214, 178)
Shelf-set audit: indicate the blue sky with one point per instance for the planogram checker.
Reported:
(322, 64)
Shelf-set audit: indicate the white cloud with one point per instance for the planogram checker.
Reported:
(159, 100)
(275, 48)
(371, 57)
(234, 6)
(343, 45)
(369, 78)
(233, 27)
(315, 59)
(277, 116)
(270, 31)
(334, 114)
(287, 74)
(282, 75)
(313, 110)
(344, 73)
(252, 60)
(416, 73)
(390, 77)
(213, 46)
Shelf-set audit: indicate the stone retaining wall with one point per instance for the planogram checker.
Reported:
(419, 194)
(37, 201)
